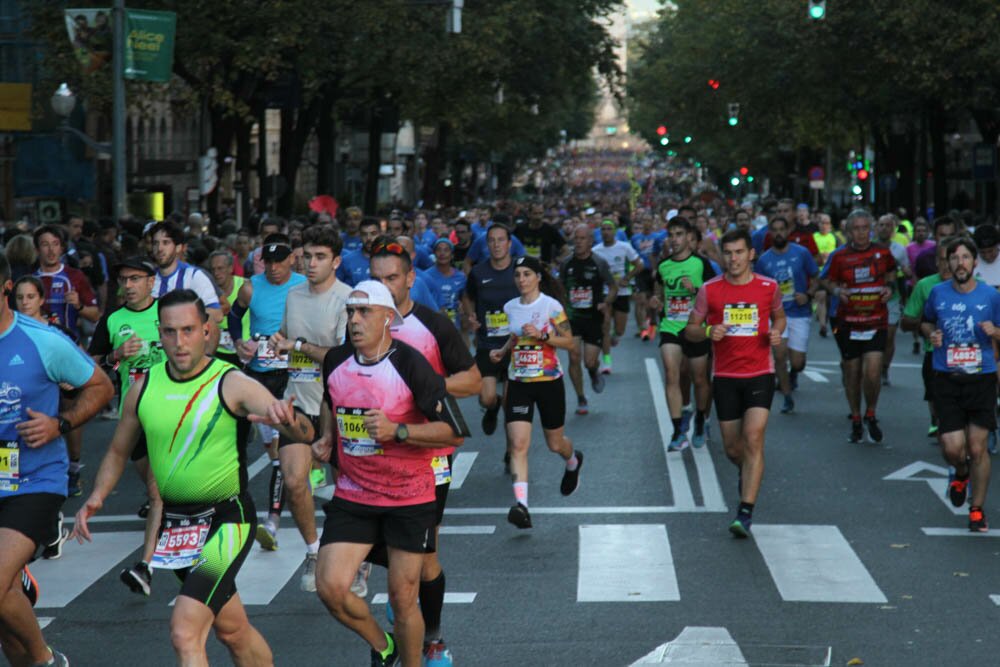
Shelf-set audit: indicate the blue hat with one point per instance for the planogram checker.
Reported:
(442, 239)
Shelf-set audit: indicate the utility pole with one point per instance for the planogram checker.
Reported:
(118, 191)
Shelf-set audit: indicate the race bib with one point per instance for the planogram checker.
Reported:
(497, 324)
(136, 373)
(581, 297)
(965, 358)
(787, 289)
(267, 357)
(225, 340)
(527, 361)
(452, 314)
(303, 369)
(863, 334)
(742, 319)
(678, 308)
(533, 251)
(442, 470)
(354, 438)
(181, 540)
(10, 465)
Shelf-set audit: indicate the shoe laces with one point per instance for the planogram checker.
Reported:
(976, 515)
(960, 484)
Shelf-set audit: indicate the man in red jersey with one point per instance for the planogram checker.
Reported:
(860, 274)
(745, 319)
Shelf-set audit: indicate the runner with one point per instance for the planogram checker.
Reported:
(859, 274)
(585, 278)
(962, 321)
(885, 232)
(745, 320)
(648, 243)
(392, 414)
(314, 321)
(208, 516)
(623, 260)
(34, 463)
(490, 286)
(540, 239)
(538, 328)
(795, 271)
(826, 242)
(446, 282)
(355, 264)
(263, 297)
(128, 340)
(678, 279)
(222, 265)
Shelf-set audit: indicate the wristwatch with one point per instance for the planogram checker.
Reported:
(402, 433)
(545, 336)
(64, 425)
(299, 342)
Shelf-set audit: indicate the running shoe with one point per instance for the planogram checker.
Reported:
(679, 443)
(108, 414)
(958, 489)
(390, 660)
(74, 488)
(489, 422)
(606, 364)
(317, 477)
(267, 536)
(916, 347)
(652, 332)
(788, 406)
(698, 440)
(138, 578)
(857, 433)
(977, 521)
(874, 432)
(932, 432)
(740, 527)
(822, 331)
(360, 584)
(597, 382)
(686, 415)
(991, 442)
(29, 585)
(643, 335)
(308, 581)
(143, 510)
(390, 615)
(571, 478)
(581, 407)
(519, 516)
(53, 551)
(436, 654)
(58, 659)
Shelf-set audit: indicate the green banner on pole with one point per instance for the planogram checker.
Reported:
(149, 45)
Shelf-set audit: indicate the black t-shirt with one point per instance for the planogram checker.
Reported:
(458, 255)
(543, 243)
(490, 289)
(585, 280)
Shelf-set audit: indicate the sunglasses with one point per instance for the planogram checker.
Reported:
(388, 249)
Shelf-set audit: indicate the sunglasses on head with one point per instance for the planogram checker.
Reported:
(391, 248)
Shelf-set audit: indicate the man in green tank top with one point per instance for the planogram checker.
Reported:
(221, 264)
(128, 340)
(195, 410)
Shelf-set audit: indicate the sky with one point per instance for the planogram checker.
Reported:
(642, 7)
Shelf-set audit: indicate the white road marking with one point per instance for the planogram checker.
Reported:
(697, 646)
(956, 532)
(265, 573)
(61, 581)
(676, 470)
(44, 621)
(995, 598)
(257, 466)
(449, 598)
(468, 530)
(711, 492)
(938, 481)
(815, 564)
(815, 376)
(895, 364)
(626, 563)
(460, 468)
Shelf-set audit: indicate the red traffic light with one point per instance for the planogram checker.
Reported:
(744, 171)
(713, 84)
(862, 174)
(661, 130)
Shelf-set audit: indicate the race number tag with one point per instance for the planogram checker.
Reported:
(10, 465)
(863, 334)
(354, 438)
(966, 358)
(527, 361)
(787, 289)
(581, 297)
(181, 540)
(136, 373)
(268, 358)
(442, 470)
(303, 369)
(225, 339)
(678, 308)
(533, 251)
(497, 324)
(742, 319)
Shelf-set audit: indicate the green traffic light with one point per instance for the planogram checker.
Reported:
(672, 153)
(734, 181)
(697, 164)
(817, 12)
(749, 179)
(664, 141)
(733, 120)
(687, 139)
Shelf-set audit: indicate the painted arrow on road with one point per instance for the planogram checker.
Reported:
(715, 647)
(935, 476)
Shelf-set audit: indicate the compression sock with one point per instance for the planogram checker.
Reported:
(745, 508)
(75, 465)
(677, 426)
(521, 492)
(431, 597)
(276, 490)
(699, 423)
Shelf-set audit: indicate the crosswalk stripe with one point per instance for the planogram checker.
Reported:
(468, 530)
(815, 564)
(679, 485)
(996, 599)
(44, 621)
(449, 598)
(265, 573)
(626, 563)
(815, 376)
(460, 468)
(958, 532)
(61, 581)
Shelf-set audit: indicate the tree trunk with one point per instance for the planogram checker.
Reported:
(326, 134)
(244, 167)
(374, 162)
(922, 163)
(223, 132)
(433, 158)
(939, 159)
(296, 127)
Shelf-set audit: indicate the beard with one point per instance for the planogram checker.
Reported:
(779, 242)
(963, 277)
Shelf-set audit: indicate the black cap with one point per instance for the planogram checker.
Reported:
(986, 236)
(529, 262)
(138, 263)
(277, 247)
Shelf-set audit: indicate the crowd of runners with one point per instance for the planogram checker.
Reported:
(342, 344)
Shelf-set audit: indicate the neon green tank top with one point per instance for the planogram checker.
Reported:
(145, 324)
(678, 302)
(225, 340)
(197, 448)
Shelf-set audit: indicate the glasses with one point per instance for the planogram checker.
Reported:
(391, 248)
(128, 280)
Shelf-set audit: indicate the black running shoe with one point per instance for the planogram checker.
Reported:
(857, 433)
(139, 578)
(740, 527)
(53, 550)
(957, 491)
(143, 511)
(29, 585)
(490, 419)
(874, 432)
(519, 516)
(571, 478)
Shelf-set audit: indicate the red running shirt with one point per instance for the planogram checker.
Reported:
(862, 275)
(747, 309)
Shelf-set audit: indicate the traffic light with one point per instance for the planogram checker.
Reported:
(734, 181)
(817, 10)
(713, 84)
(664, 141)
(734, 114)
(661, 130)
(687, 139)
(862, 174)
(744, 171)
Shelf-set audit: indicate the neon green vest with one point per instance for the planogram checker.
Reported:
(145, 324)
(225, 341)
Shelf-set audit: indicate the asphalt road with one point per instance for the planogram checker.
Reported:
(845, 563)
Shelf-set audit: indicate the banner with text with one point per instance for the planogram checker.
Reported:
(149, 41)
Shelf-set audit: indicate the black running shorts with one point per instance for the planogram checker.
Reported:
(621, 304)
(688, 349)
(521, 398)
(34, 515)
(734, 396)
(275, 381)
(960, 400)
(851, 345)
(590, 330)
(644, 281)
(409, 528)
(487, 368)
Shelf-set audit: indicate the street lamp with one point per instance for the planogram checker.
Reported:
(63, 102)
